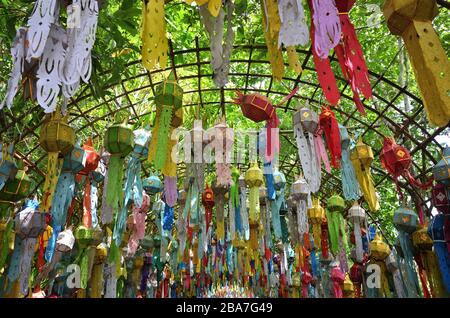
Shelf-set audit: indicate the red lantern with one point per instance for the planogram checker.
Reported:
(356, 276)
(324, 238)
(208, 203)
(259, 108)
(440, 198)
(330, 127)
(92, 158)
(397, 161)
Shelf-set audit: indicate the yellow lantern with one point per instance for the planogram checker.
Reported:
(101, 253)
(56, 138)
(348, 289)
(254, 179)
(379, 251)
(316, 214)
(411, 19)
(361, 157)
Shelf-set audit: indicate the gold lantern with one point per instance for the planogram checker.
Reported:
(57, 138)
(411, 19)
(315, 215)
(361, 157)
(101, 253)
(348, 289)
(379, 251)
(254, 179)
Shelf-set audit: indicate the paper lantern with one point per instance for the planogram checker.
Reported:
(336, 222)
(405, 220)
(208, 203)
(168, 99)
(254, 180)
(440, 198)
(439, 233)
(330, 127)
(349, 182)
(348, 288)
(411, 19)
(311, 150)
(92, 158)
(357, 215)
(441, 170)
(56, 138)
(152, 185)
(316, 214)
(8, 167)
(379, 250)
(219, 197)
(16, 189)
(393, 268)
(356, 276)
(361, 157)
(397, 161)
(154, 41)
(300, 193)
(119, 142)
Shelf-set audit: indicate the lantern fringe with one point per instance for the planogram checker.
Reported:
(431, 266)
(275, 207)
(367, 187)
(114, 193)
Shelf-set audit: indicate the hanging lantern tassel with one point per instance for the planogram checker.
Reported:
(358, 216)
(96, 281)
(436, 230)
(349, 182)
(168, 99)
(362, 156)
(56, 138)
(325, 34)
(412, 20)
(316, 214)
(379, 252)
(428, 260)
(330, 127)
(154, 41)
(301, 195)
(351, 57)
(219, 195)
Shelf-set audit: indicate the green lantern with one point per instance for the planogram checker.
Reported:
(119, 142)
(168, 99)
(336, 222)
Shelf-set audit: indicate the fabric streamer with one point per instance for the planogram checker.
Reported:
(154, 41)
(349, 183)
(330, 127)
(324, 72)
(351, 57)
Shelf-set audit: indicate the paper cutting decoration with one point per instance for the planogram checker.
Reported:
(411, 19)
(220, 52)
(330, 127)
(154, 41)
(293, 30)
(351, 57)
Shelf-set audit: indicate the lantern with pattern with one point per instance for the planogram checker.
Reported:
(153, 185)
(208, 203)
(316, 214)
(56, 138)
(336, 222)
(301, 195)
(379, 251)
(254, 180)
(168, 99)
(357, 215)
(119, 142)
(361, 157)
(412, 19)
(397, 161)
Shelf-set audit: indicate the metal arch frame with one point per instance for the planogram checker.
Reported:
(401, 130)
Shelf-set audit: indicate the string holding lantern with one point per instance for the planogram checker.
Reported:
(348, 176)
(73, 163)
(412, 20)
(56, 138)
(351, 57)
(259, 108)
(397, 161)
(330, 127)
(361, 157)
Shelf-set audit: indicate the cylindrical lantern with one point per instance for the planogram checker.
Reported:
(357, 215)
(254, 179)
